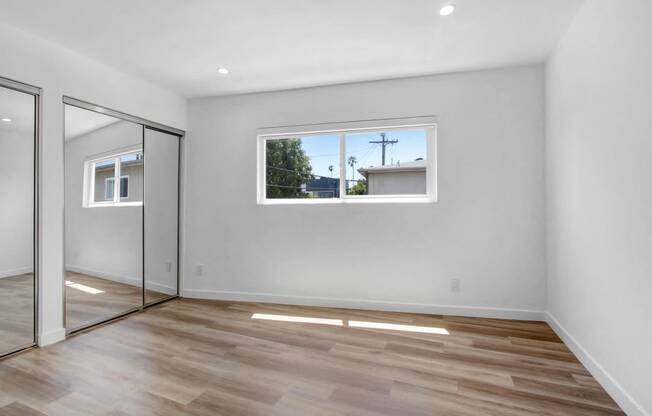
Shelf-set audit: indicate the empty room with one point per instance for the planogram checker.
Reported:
(333, 208)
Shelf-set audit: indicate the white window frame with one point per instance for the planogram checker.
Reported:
(89, 179)
(342, 129)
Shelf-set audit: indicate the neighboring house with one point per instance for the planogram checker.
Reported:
(131, 176)
(407, 178)
(323, 187)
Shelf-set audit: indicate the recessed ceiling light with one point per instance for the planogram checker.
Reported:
(222, 71)
(447, 10)
(6, 120)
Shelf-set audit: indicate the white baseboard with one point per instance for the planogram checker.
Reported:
(16, 272)
(615, 390)
(473, 311)
(161, 288)
(129, 280)
(51, 337)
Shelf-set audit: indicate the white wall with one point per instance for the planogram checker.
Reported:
(105, 242)
(486, 229)
(59, 72)
(599, 195)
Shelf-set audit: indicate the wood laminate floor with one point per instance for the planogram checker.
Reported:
(82, 305)
(16, 311)
(190, 357)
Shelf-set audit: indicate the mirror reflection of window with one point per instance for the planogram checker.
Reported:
(100, 174)
(104, 174)
(131, 175)
(104, 276)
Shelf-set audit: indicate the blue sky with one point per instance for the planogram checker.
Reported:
(323, 150)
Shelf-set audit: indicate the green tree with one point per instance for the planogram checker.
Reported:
(288, 167)
(360, 188)
(352, 161)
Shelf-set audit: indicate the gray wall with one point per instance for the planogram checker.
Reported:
(599, 180)
(487, 227)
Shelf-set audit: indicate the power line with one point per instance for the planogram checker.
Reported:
(295, 171)
(301, 187)
(366, 155)
(337, 154)
(283, 186)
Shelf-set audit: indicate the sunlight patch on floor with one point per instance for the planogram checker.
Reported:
(352, 324)
(302, 319)
(399, 327)
(83, 288)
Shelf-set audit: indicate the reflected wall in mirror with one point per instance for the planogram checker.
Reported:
(17, 281)
(104, 174)
(161, 215)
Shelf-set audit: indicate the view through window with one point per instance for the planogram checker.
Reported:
(348, 164)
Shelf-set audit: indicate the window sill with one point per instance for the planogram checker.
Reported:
(121, 204)
(351, 200)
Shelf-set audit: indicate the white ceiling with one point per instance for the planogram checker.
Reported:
(279, 44)
(79, 121)
(19, 108)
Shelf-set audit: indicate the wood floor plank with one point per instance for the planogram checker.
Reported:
(17, 304)
(195, 357)
(77, 404)
(19, 409)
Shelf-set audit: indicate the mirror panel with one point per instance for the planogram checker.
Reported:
(17, 281)
(161, 214)
(103, 216)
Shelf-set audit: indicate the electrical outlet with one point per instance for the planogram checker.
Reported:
(168, 266)
(456, 285)
(200, 270)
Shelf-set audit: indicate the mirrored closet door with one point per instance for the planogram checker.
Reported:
(121, 216)
(18, 120)
(104, 173)
(161, 215)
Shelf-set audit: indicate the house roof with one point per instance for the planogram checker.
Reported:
(414, 166)
(125, 164)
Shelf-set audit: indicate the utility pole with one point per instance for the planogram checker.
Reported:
(384, 142)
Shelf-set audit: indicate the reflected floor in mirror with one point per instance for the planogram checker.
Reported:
(90, 299)
(16, 311)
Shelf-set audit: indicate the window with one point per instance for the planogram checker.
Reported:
(100, 187)
(371, 161)
(303, 167)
